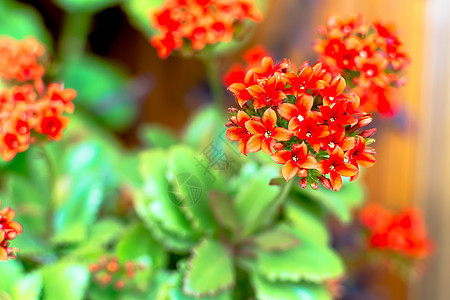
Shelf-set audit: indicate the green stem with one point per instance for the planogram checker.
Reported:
(76, 28)
(214, 79)
(52, 180)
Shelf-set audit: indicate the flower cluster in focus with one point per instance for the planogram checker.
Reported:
(403, 233)
(29, 110)
(369, 55)
(108, 270)
(303, 119)
(9, 230)
(200, 22)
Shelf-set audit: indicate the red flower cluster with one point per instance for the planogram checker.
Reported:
(403, 233)
(252, 58)
(304, 120)
(29, 110)
(9, 230)
(370, 56)
(19, 60)
(200, 22)
(108, 270)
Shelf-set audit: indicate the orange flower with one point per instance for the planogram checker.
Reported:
(27, 108)
(370, 54)
(199, 22)
(19, 60)
(403, 233)
(9, 230)
(336, 167)
(316, 127)
(294, 160)
(265, 133)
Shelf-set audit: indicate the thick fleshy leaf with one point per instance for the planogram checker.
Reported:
(156, 205)
(153, 135)
(89, 6)
(29, 287)
(268, 290)
(205, 126)
(19, 21)
(224, 210)
(340, 203)
(210, 270)
(255, 196)
(65, 281)
(307, 220)
(277, 239)
(137, 242)
(200, 178)
(12, 272)
(313, 262)
(110, 99)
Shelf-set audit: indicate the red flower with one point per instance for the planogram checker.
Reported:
(238, 132)
(9, 230)
(403, 233)
(294, 160)
(268, 92)
(295, 114)
(265, 133)
(336, 167)
(199, 22)
(336, 116)
(312, 132)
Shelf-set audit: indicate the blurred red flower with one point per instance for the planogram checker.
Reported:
(9, 230)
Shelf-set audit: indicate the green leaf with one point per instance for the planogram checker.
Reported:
(308, 261)
(191, 183)
(277, 239)
(254, 197)
(210, 270)
(269, 290)
(155, 202)
(157, 136)
(65, 281)
(306, 221)
(138, 242)
(19, 21)
(12, 272)
(108, 99)
(169, 239)
(138, 12)
(79, 210)
(224, 210)
(177, 294)
(90, 6)
(29, 287)
(206, 126)
(340, 203)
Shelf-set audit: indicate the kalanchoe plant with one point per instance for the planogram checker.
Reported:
(304, 121)
(188, 25)
(9, 230)
(31, 111)
(370, 56)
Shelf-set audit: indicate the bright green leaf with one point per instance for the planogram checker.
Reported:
(12, 272)
(138, 242)
(277, 239)
(138, 12)
(268, 290)
(308, 261)
(29, 287)
(157, 136)
(65, 281)
(86, 5)
(210, 270)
